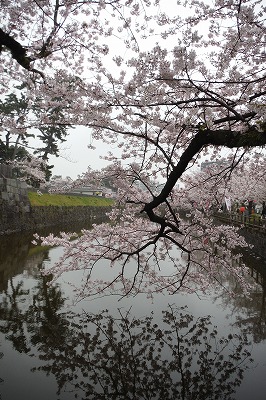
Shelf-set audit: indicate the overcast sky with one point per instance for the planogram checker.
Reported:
(76, 156)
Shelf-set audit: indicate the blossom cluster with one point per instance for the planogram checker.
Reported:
(164, 88)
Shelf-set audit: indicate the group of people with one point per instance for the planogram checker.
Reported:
(250, 207)
(245, 208)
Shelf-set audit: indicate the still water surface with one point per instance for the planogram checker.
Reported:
(129, 349)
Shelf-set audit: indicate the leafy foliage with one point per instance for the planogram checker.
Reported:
(19, 118)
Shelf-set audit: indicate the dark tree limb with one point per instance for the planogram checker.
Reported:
(221, 137)
(257, 95)
(18, 52)
(242, 117)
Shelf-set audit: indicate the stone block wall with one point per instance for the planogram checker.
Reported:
(14, 191)
(257, 239)
(42, 217)
(254, 236)
(14, 204)
(17, 215)
(6, 171)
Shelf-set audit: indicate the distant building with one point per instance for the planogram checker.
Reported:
(67, 185)
(100, 191)
(88, 191)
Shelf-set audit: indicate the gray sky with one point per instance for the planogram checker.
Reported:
(76, 157)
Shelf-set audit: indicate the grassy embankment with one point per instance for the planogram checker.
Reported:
(47, 199)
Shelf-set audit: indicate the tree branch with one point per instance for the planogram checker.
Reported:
(222, 137)
(18, 52)
(242, 117)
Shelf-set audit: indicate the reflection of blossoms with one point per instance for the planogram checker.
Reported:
(1, 380)
(169, 355)
(132, 358)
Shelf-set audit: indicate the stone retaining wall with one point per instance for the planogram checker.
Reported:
(17, 215)
(51, 216)
(254, 234)
(14, 205)
(5, 171)
(257, 239)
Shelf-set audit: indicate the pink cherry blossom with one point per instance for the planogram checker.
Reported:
(168, 87)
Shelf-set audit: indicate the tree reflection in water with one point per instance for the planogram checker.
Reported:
(98, 356)
(249, 312)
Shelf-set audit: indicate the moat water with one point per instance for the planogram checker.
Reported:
(174, 347)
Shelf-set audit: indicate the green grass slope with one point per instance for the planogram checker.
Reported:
(47, 199)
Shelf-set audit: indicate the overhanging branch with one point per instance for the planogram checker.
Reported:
(18, 52)
(222, 137)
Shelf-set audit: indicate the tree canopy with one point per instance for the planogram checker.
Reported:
(166, 85)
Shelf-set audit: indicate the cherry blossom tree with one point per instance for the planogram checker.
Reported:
(209, 187)
(167, 87)
(31, 169)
